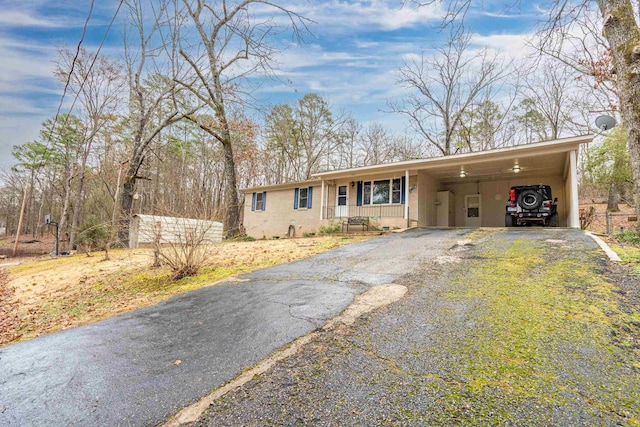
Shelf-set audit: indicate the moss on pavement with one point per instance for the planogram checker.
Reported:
(519, 327)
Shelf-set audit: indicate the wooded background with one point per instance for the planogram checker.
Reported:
(172, 128)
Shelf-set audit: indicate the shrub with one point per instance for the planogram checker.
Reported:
(93, 235)
(332, 227)
(186, 253)
(628, 236)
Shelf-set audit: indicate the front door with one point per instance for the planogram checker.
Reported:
(473, 212)
(342, 208)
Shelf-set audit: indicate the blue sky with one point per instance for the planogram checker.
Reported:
(352, 57)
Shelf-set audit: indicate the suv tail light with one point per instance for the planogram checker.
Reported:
(547, 204)
(512, 195)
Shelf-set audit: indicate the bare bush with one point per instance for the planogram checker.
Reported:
(186, 251)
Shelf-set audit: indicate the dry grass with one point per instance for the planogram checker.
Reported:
(45, 294)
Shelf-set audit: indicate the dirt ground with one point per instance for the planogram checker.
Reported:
(619, 220)
(44, 294)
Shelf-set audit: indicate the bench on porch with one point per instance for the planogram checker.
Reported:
(356, 220)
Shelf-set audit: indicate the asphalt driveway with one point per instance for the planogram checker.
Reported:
(141, 367)
(517, 327)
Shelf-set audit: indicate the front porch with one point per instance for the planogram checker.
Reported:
(375, 211)
(391, 216)
(383, 199)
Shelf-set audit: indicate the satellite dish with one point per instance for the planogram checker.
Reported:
(605, 122)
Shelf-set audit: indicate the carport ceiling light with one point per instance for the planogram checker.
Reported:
(462, 173)
(516, 168)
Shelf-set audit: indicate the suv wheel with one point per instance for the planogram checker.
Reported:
(530, 199)
(508, 220)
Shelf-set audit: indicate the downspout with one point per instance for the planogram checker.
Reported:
(322, 202)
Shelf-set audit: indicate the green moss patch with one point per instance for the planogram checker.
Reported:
(549, 333)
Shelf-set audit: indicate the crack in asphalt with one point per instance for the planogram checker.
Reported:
(402, 371)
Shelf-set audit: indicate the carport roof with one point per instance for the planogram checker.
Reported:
(547, 158)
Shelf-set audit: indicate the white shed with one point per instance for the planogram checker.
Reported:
(144, 228)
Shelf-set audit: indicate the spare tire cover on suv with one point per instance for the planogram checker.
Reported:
(530, 199)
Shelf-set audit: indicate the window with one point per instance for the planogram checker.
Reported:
(302, 201)
(396, 191)
(259, 202)
(381, 192)
(367, 193)
(302, 198)
(342, 195)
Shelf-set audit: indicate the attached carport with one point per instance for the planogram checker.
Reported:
(463, 190)
(474, 187)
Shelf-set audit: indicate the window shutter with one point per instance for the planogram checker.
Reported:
(403, 186)
(264, 200)
(309, 197)
(253, 202)
(359, 194)
(296, 194)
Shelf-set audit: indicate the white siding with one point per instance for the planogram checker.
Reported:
(172, 230)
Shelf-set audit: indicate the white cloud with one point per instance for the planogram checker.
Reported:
(314, 55)
(17, 18)
(347, 16)
(26, 72)
(511, 45)
(19, 64)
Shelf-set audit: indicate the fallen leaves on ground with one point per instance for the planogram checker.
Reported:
(50, 294)
(9, 321)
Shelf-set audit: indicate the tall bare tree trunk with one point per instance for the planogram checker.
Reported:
(77, 207)
(232, 207)
(126, 200)
(62, 222)
(623, 34)
(612, 200)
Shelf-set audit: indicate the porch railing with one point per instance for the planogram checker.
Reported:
(372, 211)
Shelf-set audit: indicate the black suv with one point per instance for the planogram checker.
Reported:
(531, 203)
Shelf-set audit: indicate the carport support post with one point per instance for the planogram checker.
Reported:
(574, 214)
(406, 196)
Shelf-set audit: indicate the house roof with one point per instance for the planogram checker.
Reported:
(286, 185)
(545, 158)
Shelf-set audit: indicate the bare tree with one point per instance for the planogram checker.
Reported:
(234, 44)
(620, 25)
(317, 135)
(377, 145)
(155, 102)
(281, 133)
(97, 83)
(409, 149)
(443, 88)
(347, 150)
(550, 92)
